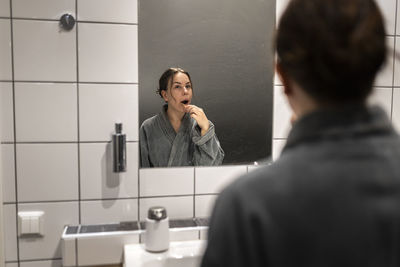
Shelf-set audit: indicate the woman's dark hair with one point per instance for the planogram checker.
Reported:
(166, 79)
(332, 48)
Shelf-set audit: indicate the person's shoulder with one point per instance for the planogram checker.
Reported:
(149, 122)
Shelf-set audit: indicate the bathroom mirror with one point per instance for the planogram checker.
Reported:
(226, 46)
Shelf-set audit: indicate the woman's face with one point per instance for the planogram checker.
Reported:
(179, 93)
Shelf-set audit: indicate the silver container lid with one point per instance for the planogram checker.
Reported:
(157, 213)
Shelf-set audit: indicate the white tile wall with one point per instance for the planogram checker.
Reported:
(124, 11)
(4, 8)
(108, 53)
(398, 19)
(56, 217)
(52, 166)
(7, 117)
(98, 181)
(103, 105)
(109, 211)
(282, 113)
(51, 60)
(397, 61)
(388, 8)
(5, 49)
(10, 232)
(177, 207)
(8, 172)
(46, 112)
(396, 108)
(385, 76)
(277, 147)
(204, 205)
(383, 98)
(48, 263)
(163, 182)
(12, 264)
(280, 7)
(34, 8)
(210, 180)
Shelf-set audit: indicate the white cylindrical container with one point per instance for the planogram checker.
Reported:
(157, 230)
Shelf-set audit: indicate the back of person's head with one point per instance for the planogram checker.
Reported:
(332, 49)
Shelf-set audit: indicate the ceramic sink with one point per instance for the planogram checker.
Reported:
(179, 254)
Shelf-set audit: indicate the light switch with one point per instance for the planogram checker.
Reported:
(34, 224)
(25, 225)
(30, 222)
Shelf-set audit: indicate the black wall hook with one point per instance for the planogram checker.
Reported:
(67, 22)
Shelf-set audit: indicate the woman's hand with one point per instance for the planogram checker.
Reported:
(200, 117)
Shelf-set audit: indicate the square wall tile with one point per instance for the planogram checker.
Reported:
(211, 180)
(388, 8)
(103, 105)
(108, 53)
(109, 211)
(166, 181)
(92, 249)
(10, 232)
(5, 50)
(277, 147)
(98, 181)
(56, 217)
(385, 76)
(5, 8)
(396, 109)
(13, 264)
(204, 205)
(397, 60)
(43, 52)
(7, 113)
(122, 11)
(42, 9)
(48, 263)
(281, 115)
(47, 172)
(8, 172)
(177, 207)
(46, 112)
(382, 97)
(398, 19)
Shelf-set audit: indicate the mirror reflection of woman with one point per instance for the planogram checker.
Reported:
(181, 134)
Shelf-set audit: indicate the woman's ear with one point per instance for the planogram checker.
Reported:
(164, 95)
(284, 78)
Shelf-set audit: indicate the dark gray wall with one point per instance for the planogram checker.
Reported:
(226, 46)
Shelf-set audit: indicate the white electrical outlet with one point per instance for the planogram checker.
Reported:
(31, 222)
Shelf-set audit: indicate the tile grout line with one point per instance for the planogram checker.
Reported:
(78, 114)
(394, 61)
(138, 152)
(15, 132)
(76, 20)
(72, 82)
(194, 192)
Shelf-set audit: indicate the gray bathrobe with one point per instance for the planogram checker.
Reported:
(161, 146)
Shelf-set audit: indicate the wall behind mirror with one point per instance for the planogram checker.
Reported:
(226, 46)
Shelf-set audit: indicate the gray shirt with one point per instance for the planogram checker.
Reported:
(331, 199)
(161, 146)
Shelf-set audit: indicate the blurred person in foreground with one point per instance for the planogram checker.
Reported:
(333, 196)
